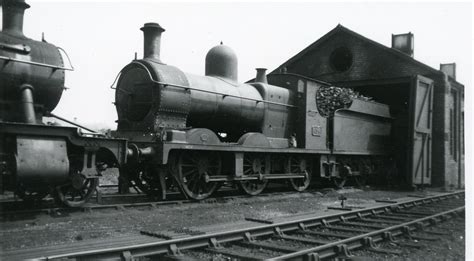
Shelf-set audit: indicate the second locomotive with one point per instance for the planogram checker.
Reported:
(197, 132)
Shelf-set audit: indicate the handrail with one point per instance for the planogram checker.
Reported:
(55, 67)
(50, 114)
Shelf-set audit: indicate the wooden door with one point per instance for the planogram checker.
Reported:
(421, 107)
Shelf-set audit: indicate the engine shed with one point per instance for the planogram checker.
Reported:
(427, 104)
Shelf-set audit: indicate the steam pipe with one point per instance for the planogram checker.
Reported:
(13, 12)
(152, 40)
(27, 103)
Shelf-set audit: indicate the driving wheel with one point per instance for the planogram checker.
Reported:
(254, 165)
(298, 165)
(78, 191)
(194, 169)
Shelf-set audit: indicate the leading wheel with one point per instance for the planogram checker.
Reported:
(297, 165)
(30, 196)
(194, 169)
(146, 178)
(77, 192)
(254, 165)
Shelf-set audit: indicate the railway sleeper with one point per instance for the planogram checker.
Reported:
(257, 220)
(445, 205)
(431, 209)
(427, 238)
(409, 244)
(303, 240)
(408, 216)
(324, 234)
(385, 251)
(236, 254)
(380, 220)
(255, 244)
(364, 225)
(434, 232)
(370, 244)
(418, 213)
(386, 201)
(418, 196)
(395, 218)
(341, 208)
(348, 229)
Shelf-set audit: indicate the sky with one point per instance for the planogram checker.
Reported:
(102, 37)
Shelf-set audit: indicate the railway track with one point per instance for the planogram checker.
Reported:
(312, 238)
(11, 209)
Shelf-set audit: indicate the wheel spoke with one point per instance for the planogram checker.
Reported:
(72, 197)
(188, 165)
(191, 176)
(295, 165)
(253, 187)
(189, 172)
(195, 185)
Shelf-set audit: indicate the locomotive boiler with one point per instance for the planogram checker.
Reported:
(28, 67)
(194, 132)
(38, 159)
(217, 101)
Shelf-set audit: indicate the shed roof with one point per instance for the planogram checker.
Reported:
(341, 29)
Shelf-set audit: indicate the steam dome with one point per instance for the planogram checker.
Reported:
(221, 61)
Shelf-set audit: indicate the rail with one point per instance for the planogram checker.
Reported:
(405, 221)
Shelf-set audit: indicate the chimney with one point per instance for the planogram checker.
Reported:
(404, 43)
(449, 69)
(152, 41)
(13, 11)
(261, 75)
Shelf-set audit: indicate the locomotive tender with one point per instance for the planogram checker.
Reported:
(38, 159)
(196, 132)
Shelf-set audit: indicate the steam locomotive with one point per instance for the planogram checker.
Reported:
(177, 130)
(38, 159)
(195, 133)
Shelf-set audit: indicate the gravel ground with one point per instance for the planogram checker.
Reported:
(44, 230)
